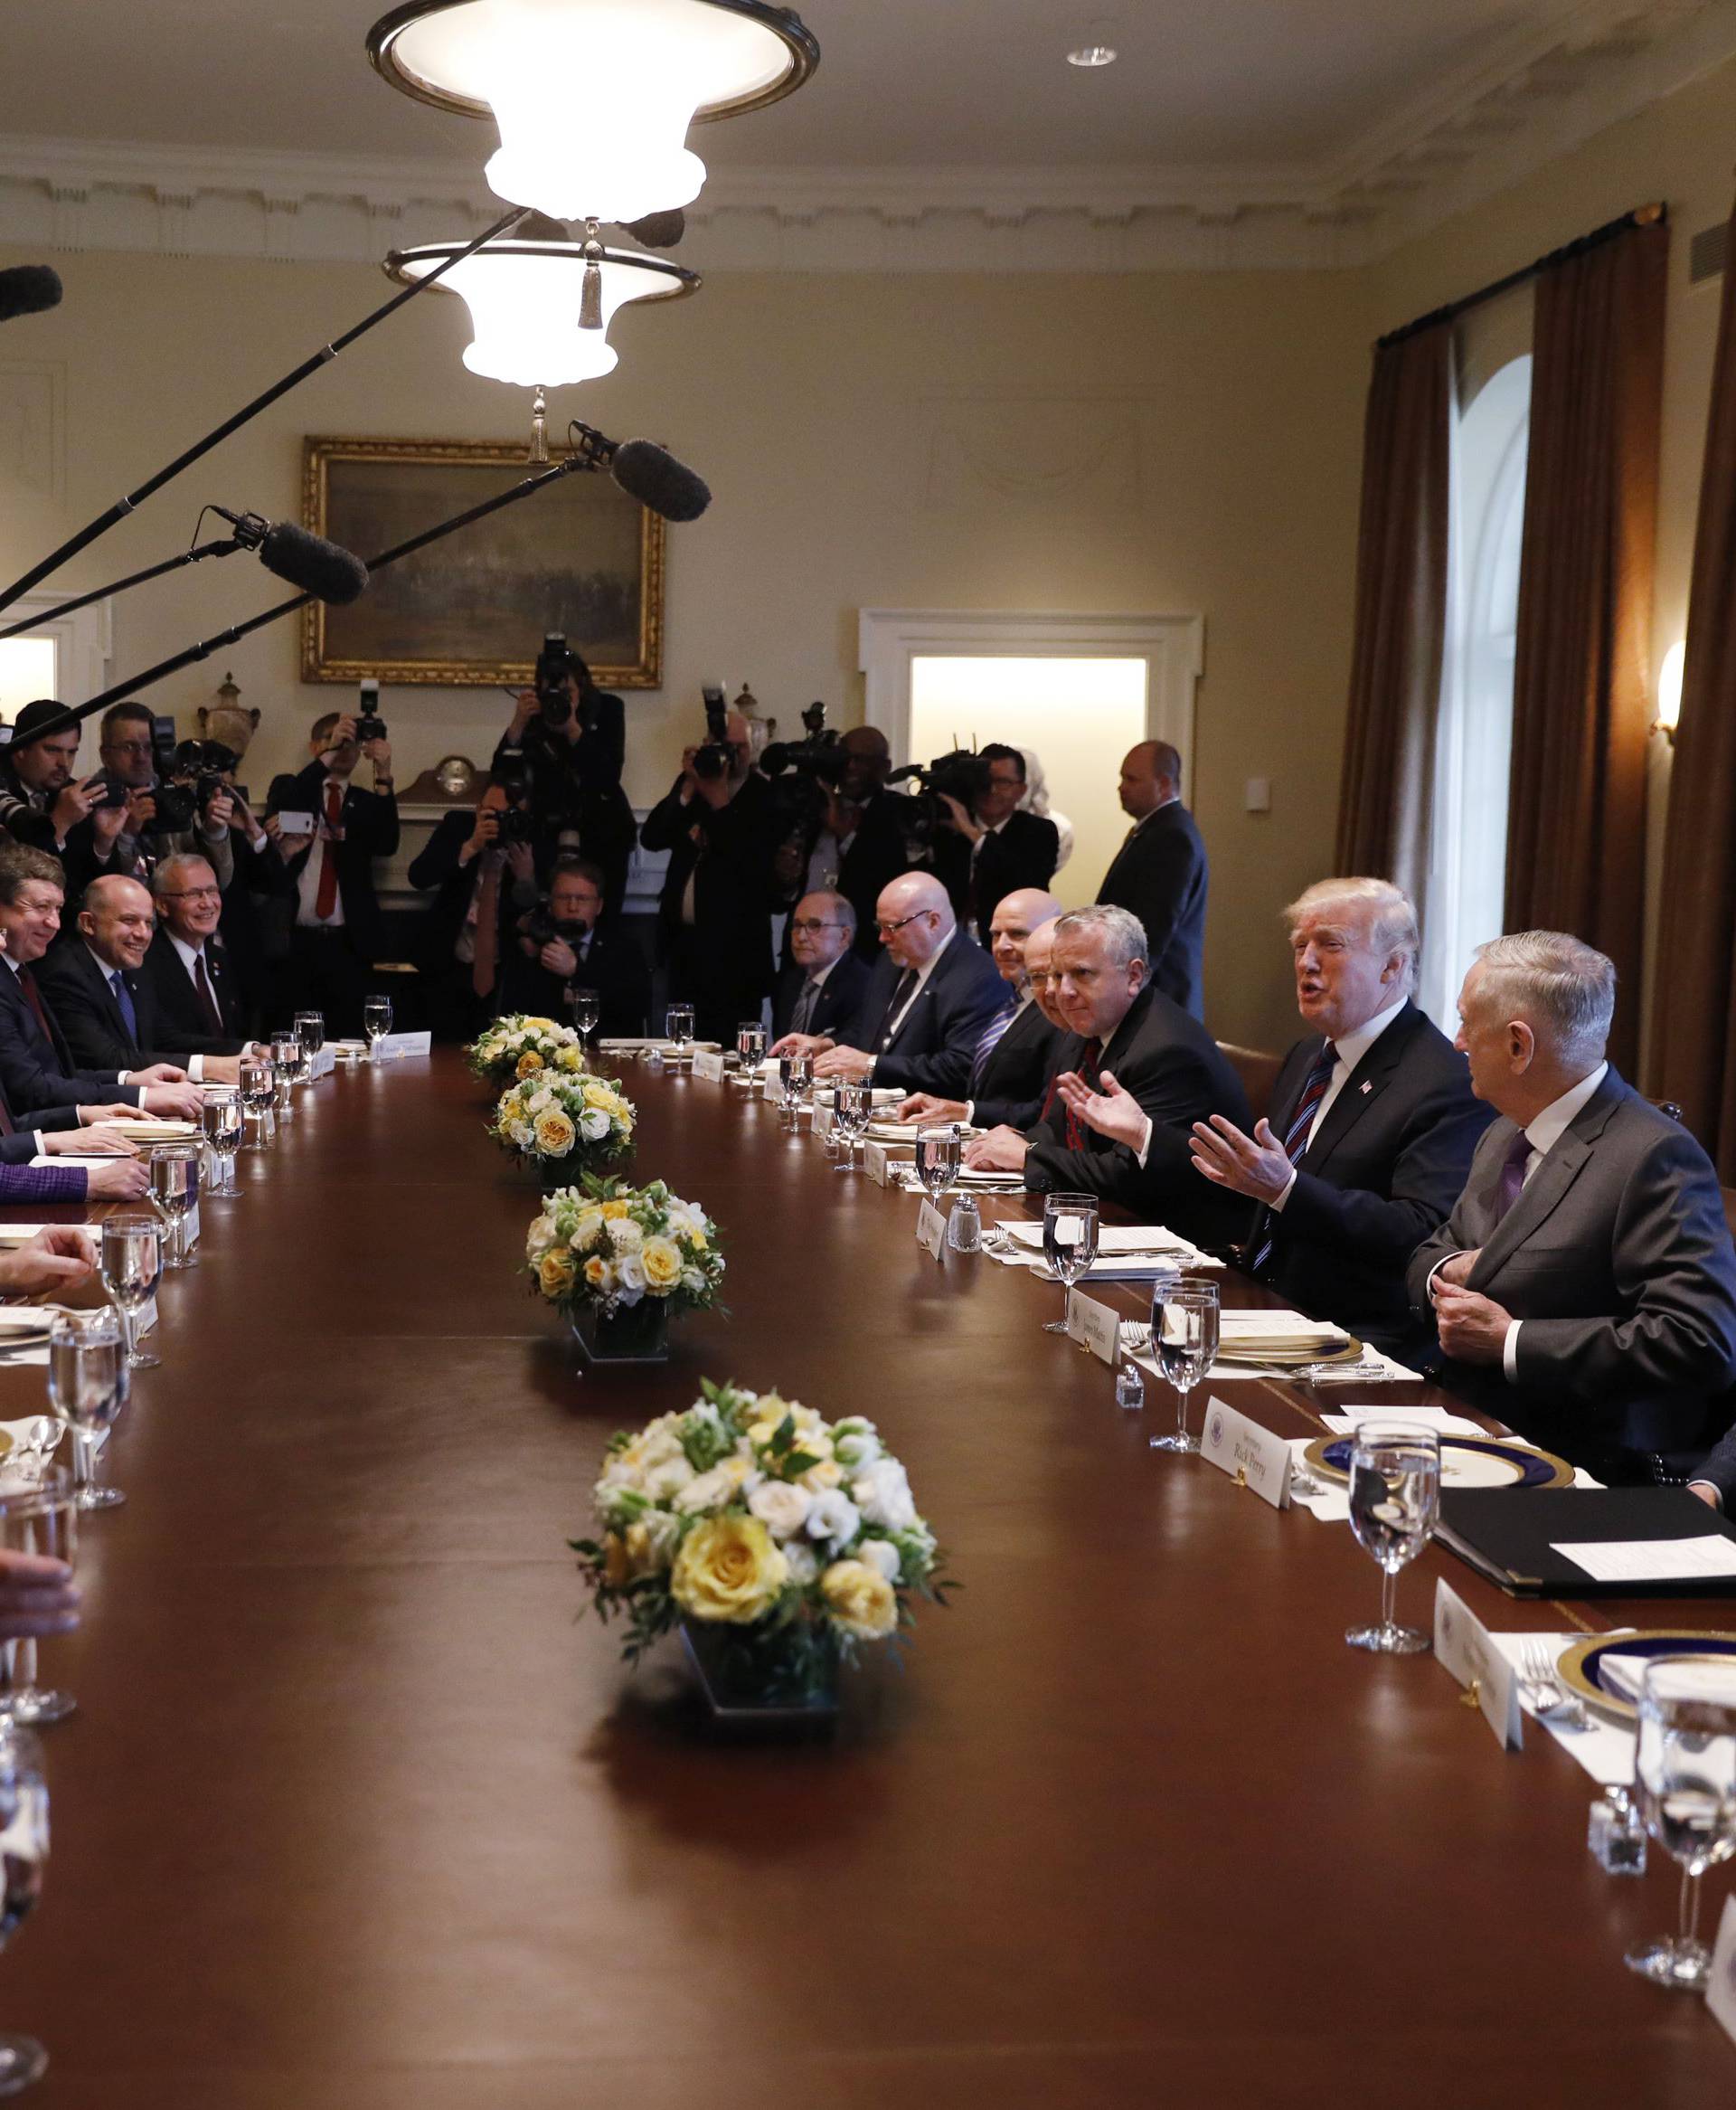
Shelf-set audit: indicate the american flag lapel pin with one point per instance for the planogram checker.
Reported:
(1367, 1085)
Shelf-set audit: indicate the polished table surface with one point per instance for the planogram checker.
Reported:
(356, 1811)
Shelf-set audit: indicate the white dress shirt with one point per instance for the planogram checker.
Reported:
(1351, 1049)
(922, 974)
(189, 955)
(307, 883)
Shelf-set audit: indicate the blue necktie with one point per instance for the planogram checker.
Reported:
(989, 1042)
(123, 998)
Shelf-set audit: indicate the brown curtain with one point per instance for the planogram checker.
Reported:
(1576, 820)
(1693, 1017)
(1388, 781)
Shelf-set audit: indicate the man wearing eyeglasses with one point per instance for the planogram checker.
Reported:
(186, 972)
(821, 990)
(126, 840)
(991, 848)
(926, 1003)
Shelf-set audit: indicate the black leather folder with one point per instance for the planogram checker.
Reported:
(1509, 1535)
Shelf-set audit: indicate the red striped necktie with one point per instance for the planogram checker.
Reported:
(1296, 1136)
(1088, 1057)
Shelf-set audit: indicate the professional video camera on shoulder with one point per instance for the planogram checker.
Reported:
(819, 754)
(962, 775)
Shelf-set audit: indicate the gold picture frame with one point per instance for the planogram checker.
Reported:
(471, 611)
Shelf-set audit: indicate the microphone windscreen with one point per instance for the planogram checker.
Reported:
(653, 476)
(658, 230)
(28, 289)
(317, 567)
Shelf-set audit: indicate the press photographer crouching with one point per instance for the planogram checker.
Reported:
(567, 742)
(723, 827)
(565, 947)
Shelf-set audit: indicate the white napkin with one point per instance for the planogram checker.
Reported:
(1605, 1751)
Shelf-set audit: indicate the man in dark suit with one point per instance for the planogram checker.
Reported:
(925, 1005)
(188, 983)
(1159, 873)
(94, 982)
(1014, 1062)
(1372, 1125)
(481, 883)
(338, 929)
(820, 992)
(1714, 1479)
(1127, 1033)
(1584, 1286)
(714, 919)
(991, 848)
(37, 1069)
(570, 946)
(871, 827)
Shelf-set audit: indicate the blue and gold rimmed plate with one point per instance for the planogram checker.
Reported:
(1465, 1461)
(1581, 1667)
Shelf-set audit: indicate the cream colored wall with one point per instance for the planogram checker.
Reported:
(1164, 443)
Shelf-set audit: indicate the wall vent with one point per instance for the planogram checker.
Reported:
(1708, 253)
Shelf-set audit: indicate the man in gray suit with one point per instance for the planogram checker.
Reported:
(1584, 1287)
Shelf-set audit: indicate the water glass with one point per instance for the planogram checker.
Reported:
(175, 1188)
(1068, 1244)
(130, 1258)
(1684, 1780)
(259, 1088)
(376, 1023)
(1394, 1500)
(795, 1074)
(587, 1009)
(220, 1119)
(678, 1026)
(24, 1857)
(751, 1046)
(852, 1100)
(310, 1030)
(39, 1514)
(286, 1061)
(87, 1388)
(1184, 1346)
(938, 1154)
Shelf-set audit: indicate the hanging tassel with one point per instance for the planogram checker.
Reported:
(539, 428)
(591, 294)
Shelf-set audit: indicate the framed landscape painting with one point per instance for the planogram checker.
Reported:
(579, 557)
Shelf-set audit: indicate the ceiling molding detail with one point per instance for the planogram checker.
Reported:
(1469, 138)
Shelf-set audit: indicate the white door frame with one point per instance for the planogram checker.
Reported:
(84, 642)
(1172, 646)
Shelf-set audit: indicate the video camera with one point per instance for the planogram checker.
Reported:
(714, 757)
(819, 755)
(554, 663)
(543, 928)
(190, 773)
(962, 775)
(369, 723)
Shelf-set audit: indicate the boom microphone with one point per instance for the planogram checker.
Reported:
(28, 289)
(647, 472)
(323, 569)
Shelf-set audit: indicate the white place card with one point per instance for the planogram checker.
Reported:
(1248, 1452)
(1652, 1560)
(147, 1313)
(879, 1163)
(825, 1119)
(1093, 1326)
(393, 1045)
(930, 1229)
(710, 1067)
(322, 1061)
(1436, 1418)
(1721, 1987)
(1467, 1653)
(772, 1088)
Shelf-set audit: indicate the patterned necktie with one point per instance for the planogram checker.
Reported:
(802, 1017)
(326, 899)
(1513, 1176)
(208, 1002)
(33, 998)
(124, 1003)
(1089, 1056)
(986, 1046)
(1296, 1139)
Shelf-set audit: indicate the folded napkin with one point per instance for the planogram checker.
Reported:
(1151, 1238)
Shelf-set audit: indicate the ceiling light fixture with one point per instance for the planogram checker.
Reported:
(593, 97)
(1097, 49)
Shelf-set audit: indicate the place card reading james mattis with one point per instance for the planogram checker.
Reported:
(1464, 1649)
(1247, 1452)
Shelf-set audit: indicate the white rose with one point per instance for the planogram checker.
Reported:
(804, 1566)
(834, 1516)
(855, 1445)
(593, 1124)
(540, 1238)
(709, 1491)
(623, 1234)
(670, 1478)
(692, 1280)
(883, 1495)
(630, 1272)
(780, 1507)
(878, 1553)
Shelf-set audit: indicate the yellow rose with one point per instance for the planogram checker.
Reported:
(613, 1209)
(617, 1571)
(729, 1569)
(570, 1058)
(546, 1024)
(860, 1600)
(641, 1552)
(555, 1271)
(661, 1260)
(597, 1093)
(596, 1269)
(818, 1478)
(554, 1132)
(529, 1063)
(697, 1240)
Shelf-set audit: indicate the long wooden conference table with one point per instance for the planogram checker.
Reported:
(357, 1814)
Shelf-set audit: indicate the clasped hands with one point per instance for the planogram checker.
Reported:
(1473, 1328)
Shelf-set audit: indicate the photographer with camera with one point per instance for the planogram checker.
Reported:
(156, 801)
(482, 868)
(720, 825)
(41, 800)
(568, 738)
(986, 847)
(566, 944)
(328, 833)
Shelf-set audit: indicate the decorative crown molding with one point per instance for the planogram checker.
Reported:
(1539, 95)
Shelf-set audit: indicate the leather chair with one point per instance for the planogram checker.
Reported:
(1258, 1072)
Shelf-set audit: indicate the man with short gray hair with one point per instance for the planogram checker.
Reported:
(1585, 1282)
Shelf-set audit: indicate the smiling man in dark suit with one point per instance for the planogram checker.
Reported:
(1372, 1125)
(186, 973)
(1584, 1286)
(820, 992)
(927, 1002)
(1160, 872)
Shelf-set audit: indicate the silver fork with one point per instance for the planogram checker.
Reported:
(1549, 1696)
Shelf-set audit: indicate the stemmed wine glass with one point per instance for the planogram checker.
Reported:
(131, 1256)
(310, 1030)
(587, 1009)
(751, 1046)
(851, 1103)
(174, 1187)
(259, 1088)
(221, 1120)
(376, 1023)
(1184, 1344)
(1068, 1244)
(87, 1388)
(23, 1854)
(39, 1514)
(286, 1061)
(679, 1026)
(1394, 1500)
(795, 1074)
(1684, 1777)
(939, 1152)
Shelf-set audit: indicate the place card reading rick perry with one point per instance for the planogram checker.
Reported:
(1248, 1452)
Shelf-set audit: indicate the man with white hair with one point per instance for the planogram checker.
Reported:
(1373, 1120)
(1585, 1278)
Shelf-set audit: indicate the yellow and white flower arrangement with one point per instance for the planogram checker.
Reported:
(612, 1246)
(520, 1046)
(563, 1122)
(751, 1512)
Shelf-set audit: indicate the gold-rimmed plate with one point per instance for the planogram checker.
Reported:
(1579, 1668)
(1480, 1461)
(1251, 1354)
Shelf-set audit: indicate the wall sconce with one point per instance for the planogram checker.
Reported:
(1669, 692)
